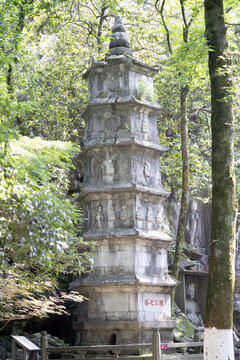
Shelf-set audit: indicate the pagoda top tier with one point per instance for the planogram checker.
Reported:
(119, 44)
(120, 53)
(121, 77)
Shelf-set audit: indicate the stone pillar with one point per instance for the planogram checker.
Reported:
(129, 290)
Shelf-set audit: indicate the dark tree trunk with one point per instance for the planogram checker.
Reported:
(9, 80)
(185, 165)
(185, 185)
(100, 28)
(219, 307)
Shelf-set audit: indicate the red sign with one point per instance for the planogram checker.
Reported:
(163, 346)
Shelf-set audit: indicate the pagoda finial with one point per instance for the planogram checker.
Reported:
(119, 44)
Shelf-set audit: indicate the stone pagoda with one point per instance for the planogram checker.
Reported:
(129, 289)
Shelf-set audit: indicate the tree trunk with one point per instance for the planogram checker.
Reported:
(9, 80)
(100, 28)
(218, 341)
(185, 186)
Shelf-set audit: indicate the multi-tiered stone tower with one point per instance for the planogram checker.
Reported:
(129, 290)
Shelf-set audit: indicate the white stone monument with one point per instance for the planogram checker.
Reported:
(129, 290)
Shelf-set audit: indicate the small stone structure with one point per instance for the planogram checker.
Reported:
(129, 290)
(193, 268)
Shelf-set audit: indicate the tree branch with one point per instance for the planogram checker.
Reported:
(160, 11)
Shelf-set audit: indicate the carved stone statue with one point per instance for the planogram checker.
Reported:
(108, 170)
(159, 218)
(99, 216)
(139, 216)
(192, 309)
(192, 224)
(147, 170)
(149, 218)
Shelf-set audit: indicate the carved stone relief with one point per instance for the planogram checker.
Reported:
(99, 217)
(108, 171)
(123, 213)
(147, 171)
(145, 125)
(193, 225)
(192, 308)
(107, 167)
(159, 217)
(146, 168)
(107, 127)
(149, 218)
(126, 215)
(139, 214)
(119, 214)
(111, 215)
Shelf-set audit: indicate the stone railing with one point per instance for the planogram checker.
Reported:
(151, 351)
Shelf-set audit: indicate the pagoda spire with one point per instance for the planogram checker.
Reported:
(119, 44)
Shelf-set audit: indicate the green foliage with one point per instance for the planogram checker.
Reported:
(51, 89)
(38, 223)
(186, 64)
(45, 162)
(40, 228)
(48, 81)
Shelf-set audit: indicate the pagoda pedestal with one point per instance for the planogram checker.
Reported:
(129, 290)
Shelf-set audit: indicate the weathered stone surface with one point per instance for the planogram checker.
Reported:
(120, 80)
(125, 164)
(118, 123)
(109, 212)
(122, 198)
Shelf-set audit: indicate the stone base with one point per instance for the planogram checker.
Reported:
(122, 332)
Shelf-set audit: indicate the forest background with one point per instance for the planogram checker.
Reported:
(46, 46)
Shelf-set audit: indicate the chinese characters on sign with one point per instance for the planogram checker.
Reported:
(151, 302)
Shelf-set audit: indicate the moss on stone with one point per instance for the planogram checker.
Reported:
(144, 92)
(184, 328)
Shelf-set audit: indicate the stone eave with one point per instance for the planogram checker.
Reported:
(127, 284)
(114, 100)
(135, 65)
(149, 190)
(155, 238)
(132, 142)
(161, 240)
